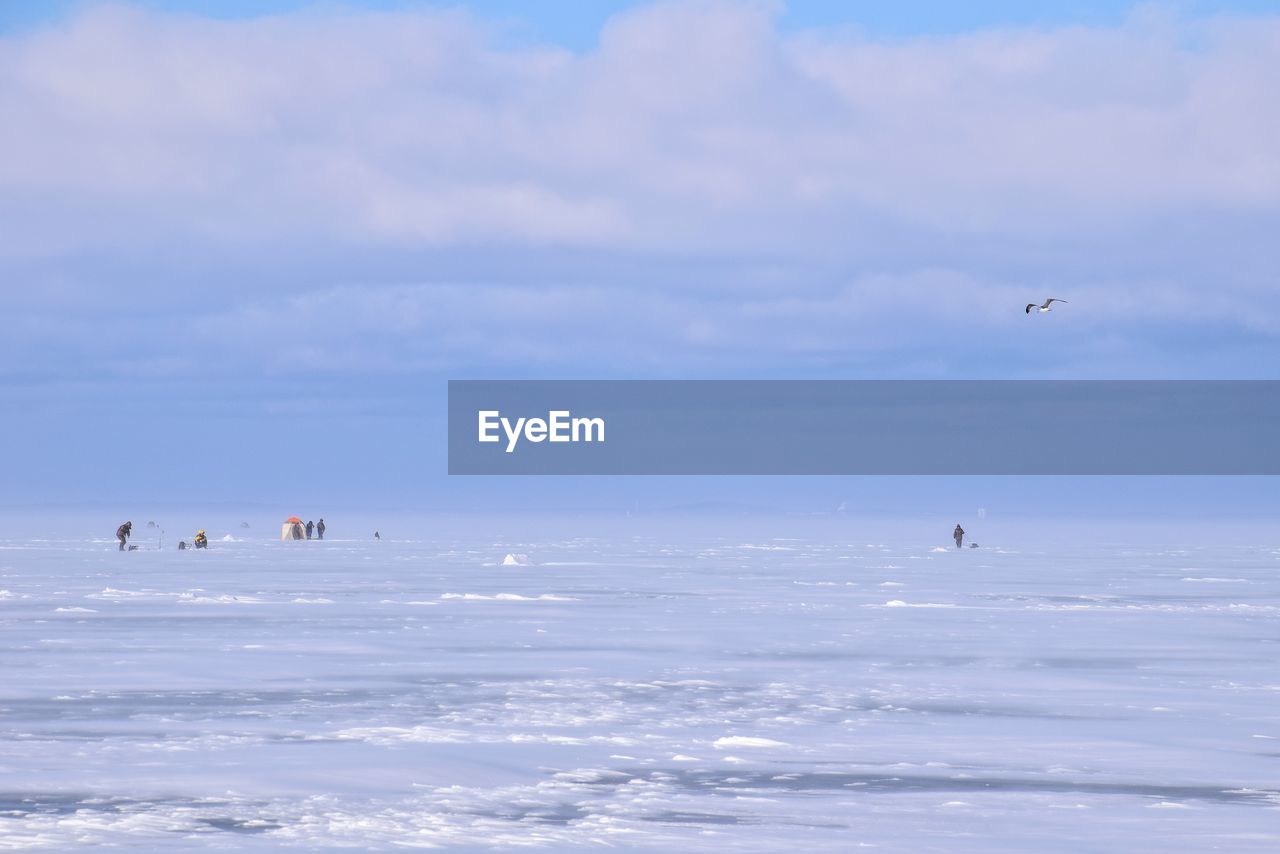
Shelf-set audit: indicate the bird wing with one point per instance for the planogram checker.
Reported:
(1030, 306)
(1052, 299)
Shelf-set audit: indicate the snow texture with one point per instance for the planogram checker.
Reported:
(667, 690)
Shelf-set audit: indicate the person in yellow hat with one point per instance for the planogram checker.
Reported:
(202, 542)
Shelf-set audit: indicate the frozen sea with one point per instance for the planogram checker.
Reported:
(727, 685)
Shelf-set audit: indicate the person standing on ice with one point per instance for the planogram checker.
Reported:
(320, 529)
(958, 533)
(310, 527)
(123, 532)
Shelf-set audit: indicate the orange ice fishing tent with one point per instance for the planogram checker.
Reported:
(292, 529)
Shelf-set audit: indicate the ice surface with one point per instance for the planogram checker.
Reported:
(663, 687)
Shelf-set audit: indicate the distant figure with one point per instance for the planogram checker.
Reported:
(244, 524)
(958, 533)
(182, 545)
(376, 535)
(123, 532)
(296, 531)
(320, 529)
(310, 527)
(973, 545)
(201, 541)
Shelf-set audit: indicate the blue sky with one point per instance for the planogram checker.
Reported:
(230, 232)
(576, 25)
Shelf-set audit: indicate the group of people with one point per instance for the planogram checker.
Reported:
(200, 541)
(296, 530)
(316, 530)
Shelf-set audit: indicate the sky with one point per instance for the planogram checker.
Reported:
(246, 245)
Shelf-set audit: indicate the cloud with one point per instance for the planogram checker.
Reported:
(392, 192)
(691, 125)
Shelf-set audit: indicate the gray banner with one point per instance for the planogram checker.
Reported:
(863, 427)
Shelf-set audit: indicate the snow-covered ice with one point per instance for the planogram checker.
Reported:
(663, 687)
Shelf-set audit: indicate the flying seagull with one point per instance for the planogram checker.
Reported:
(1044, 307)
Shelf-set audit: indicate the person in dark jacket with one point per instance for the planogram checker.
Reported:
(123, 532)
(958, 533)
(310, 527)
(320, 529)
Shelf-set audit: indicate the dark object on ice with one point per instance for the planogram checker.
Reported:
(201, 541)
(244, 524)
(123, 532)
(973, 545)
(376, 535)
(958, 533)
(151, 524)
(320, 529)
(310, 527)
(182, 545)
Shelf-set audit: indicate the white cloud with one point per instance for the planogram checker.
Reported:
(820, 202)
(693, 126)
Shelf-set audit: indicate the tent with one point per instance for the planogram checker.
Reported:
(292, 529)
